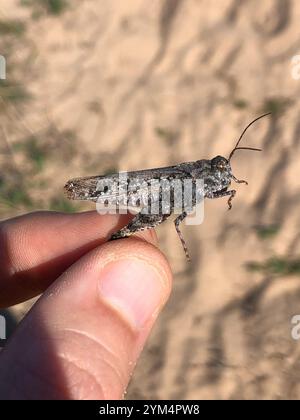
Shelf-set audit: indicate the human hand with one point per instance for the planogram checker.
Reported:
(82, 338)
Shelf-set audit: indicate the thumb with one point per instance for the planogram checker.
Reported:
(83, 337)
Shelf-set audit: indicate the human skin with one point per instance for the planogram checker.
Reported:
(99, 301)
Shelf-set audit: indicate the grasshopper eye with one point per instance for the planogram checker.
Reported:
(221, 166)
(219, 163)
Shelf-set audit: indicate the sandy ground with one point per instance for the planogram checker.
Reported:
(145, 84)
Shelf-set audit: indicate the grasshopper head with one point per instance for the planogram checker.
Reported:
(220, 172)
(220, 164)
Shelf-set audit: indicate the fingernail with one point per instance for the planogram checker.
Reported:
(135, 288)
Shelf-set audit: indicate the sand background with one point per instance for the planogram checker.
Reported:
(122, 85)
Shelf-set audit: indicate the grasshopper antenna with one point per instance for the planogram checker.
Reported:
(242, 135)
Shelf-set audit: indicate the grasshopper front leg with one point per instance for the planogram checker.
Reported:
(223, 193)
(239, 181)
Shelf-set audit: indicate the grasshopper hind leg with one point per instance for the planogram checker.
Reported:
(140, 222)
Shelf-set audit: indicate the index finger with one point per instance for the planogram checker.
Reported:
(36, 248)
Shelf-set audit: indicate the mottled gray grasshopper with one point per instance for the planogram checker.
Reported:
(144, 189)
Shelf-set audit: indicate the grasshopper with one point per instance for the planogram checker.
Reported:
(216, 175)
